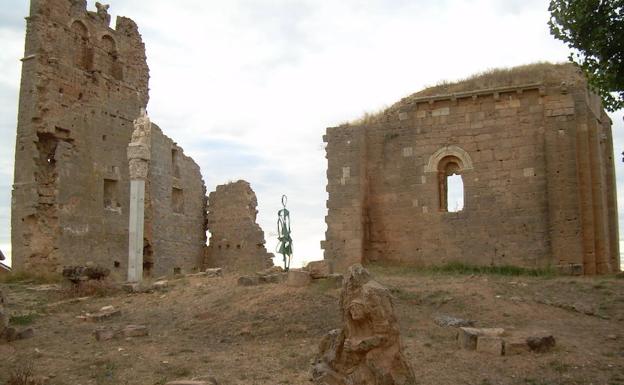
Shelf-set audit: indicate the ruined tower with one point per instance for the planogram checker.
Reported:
(83, 83)
(533, 148)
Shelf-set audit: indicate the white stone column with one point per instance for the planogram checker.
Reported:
(138, 158)
(137, 215)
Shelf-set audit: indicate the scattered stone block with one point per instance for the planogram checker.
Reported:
(467, 337)
(448, 321)
(515, 346)
(319, 269)
(336, 280)
(216, 272)
(541, 343)
(490, 345)
(104, 334)
(272, 278)
(161, 285)
(105, 313)
(248, 280)
(134, 331)
(298, 278)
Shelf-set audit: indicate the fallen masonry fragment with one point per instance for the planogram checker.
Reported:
(367, 351)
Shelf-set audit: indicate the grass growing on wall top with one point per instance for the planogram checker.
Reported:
(459, 268)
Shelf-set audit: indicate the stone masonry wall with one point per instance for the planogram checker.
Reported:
(236, 240)
(537, 166)
(82, 85)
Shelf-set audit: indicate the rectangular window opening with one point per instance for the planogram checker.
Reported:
(177, 200)
(111, 195)
(175, 167)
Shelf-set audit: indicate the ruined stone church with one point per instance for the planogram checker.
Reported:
(534, 150)
(532, 146)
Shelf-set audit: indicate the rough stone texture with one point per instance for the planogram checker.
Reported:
(83, 84)
(490, 345)
(319, 269)
(536, 160)
(298, 278)
(368, 350)
(236, 240)
(449, 321)
(468, 337)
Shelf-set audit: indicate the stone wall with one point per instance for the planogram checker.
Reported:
(536, 163)
(82, 85)
(236, 240)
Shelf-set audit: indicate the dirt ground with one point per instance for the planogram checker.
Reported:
(268, 334)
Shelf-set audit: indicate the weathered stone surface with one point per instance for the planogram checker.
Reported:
(515, 346)
(541, 343)
(214, 272)
(134, 331)
(298, 278)
(367, 351)
(236, 240)
(130, 331)
(467, 337)
(83, 85)
(319, 269)
(104, 334)
(490, 345)
(105, 313)
(519, 142)
(448, 321)
(76, 274)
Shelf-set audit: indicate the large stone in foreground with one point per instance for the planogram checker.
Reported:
(367, 351)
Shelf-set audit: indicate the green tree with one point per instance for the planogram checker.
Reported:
(594, 30)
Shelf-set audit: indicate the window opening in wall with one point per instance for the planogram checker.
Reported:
(111, 195)
(111, 62)
(177, 200)
(455, 193)
(82, 52)
(451, 185)
(175, 167)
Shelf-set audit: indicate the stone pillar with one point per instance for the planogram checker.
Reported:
(139, 155)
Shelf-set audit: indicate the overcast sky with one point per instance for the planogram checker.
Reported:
(247, 87)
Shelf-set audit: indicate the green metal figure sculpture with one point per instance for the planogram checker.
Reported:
(283, 234)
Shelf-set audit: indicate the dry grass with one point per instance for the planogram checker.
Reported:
(540, 72)
(90, 288)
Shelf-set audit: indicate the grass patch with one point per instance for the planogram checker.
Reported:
(459, 268)
(91, 288)
(24, 319)
(24, 277)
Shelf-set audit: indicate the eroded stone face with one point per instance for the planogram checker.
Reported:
(236, 240)
(83, 85)
(367, 351)
(535, 160)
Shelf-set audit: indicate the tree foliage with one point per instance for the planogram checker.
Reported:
(594, 30)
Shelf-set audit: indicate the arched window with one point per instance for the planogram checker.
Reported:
(82, 55)
(450, 184)
(450, 163)
(111, 64)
